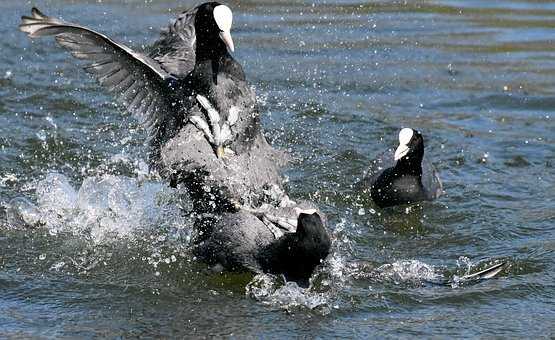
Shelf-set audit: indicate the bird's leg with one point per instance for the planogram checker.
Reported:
(218, 135)
(287, 223)
(276, 230)
(264, 214)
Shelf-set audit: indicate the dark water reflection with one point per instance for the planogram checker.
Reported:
(336, 80)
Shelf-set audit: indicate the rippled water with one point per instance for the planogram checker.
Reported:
(336, 80)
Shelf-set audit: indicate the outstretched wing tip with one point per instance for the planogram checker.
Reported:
(134, 78)
(34, 25)
(37, 13)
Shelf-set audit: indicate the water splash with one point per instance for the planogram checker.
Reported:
(464, 263)
(321, 294)
(407, 271)
(22, 212)
(107, 209)
(104, 208)
(272, 290)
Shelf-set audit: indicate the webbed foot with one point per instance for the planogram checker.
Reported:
(279, 221)
(218, 134)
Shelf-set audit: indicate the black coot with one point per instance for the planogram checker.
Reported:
(402, 177)
(204, 133)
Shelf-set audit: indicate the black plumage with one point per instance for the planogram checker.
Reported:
(205, 134)
(161, 91)
(243, 240)
(403, 177)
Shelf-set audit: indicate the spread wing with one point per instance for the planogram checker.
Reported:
(175, 50)
(137, 80)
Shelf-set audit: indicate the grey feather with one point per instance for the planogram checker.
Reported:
(201, 125)
(487, 273)
(175, 50)
(131, 76)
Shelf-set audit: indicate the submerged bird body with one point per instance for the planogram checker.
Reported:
(242, 240)
(393, 187)
(205, 134)
(404, 177)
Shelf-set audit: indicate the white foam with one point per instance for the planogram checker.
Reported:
(269, 290)
(21, 213)
(407, 271)
(104, 208)
(56, 193)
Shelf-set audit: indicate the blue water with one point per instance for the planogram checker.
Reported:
(336, 81)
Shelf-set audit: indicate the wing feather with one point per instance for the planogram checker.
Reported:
(136, 80)
(175, 50)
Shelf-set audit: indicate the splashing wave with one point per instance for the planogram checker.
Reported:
(104, 208)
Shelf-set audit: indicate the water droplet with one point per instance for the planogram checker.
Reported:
(58, 266)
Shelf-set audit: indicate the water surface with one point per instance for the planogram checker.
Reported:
(336, 81)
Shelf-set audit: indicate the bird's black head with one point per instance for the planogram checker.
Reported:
(410, 152)
(295, 255)
(213, 30)
(313, 235)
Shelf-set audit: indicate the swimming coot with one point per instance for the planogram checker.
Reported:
(402, 177)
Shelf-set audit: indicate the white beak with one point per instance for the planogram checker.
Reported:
(226, 38)
(401, 151)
